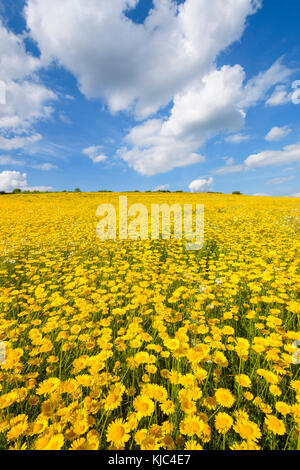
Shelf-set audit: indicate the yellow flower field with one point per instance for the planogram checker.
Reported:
(142, 344)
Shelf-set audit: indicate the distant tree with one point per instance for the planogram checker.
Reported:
(237, 193)
(17, 191)
(77, 190)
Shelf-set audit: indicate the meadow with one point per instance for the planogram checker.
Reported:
(143, 344)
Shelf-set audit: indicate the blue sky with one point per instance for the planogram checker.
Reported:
(183, 95)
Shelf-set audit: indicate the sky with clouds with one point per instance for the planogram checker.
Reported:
(122, 95)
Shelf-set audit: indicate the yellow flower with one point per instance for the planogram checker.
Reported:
(275, 390)
(144, 406)
(275, 425)
(247, 429)
(188, 406)
(17, 431)
(50, 442)
(167, 407)
(191, 425)
(192, 444)
(117, 433)
(112, 401)
(243, 380)
(295, 384)
(48, 386)
(282, 408)
(223, 422)
(81, 426)
(224, 397)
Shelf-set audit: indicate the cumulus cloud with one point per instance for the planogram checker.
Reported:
(170, 58)
(10, 180)
(289, 154)
(199, 113)
(26, 103)
(15, 62)
(138, 65)
(24, 99)
(155, 151)
(201, 185)
(94, 152)
(277, 133)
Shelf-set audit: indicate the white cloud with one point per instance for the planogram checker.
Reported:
(154, 151)
(257, 88)
(16, 63)
(279, 96)
(7, 160)
(144, 67)
(289, 154)
(229, 161)
(45, 167)
(38, 188)
(261, 195)
(226, 170)
(295, 195)
(18, 142)
(26, 103)
(136, 65)
(158, 145)
(198, 114)
(280, 180)
(237, 138)
(94, 152)
(26, 100)
(163, 187)
(10, 180)
(201, 185)
(277, 133)
(64, 118)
